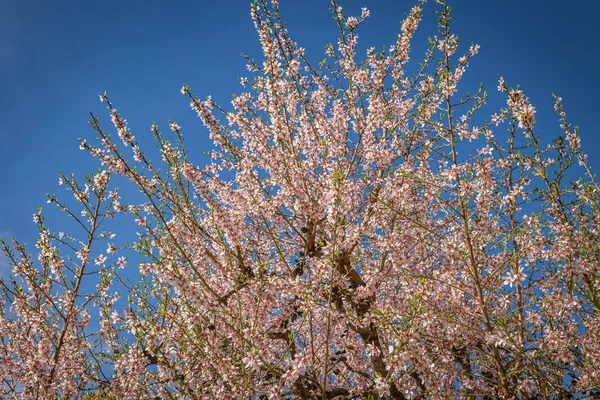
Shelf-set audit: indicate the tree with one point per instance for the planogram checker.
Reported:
(340, 243)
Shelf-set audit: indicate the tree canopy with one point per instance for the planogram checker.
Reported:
(358, 232)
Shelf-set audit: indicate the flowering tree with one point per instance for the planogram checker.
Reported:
(340, 243)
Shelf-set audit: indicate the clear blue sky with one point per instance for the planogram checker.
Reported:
(56, 57)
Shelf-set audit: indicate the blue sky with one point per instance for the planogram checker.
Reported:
(57, 57)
